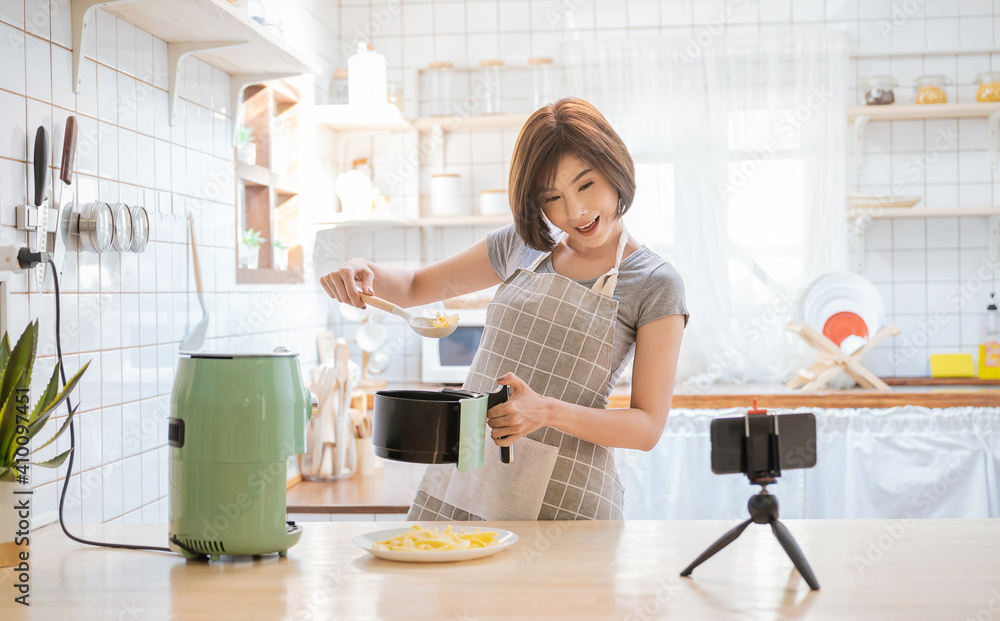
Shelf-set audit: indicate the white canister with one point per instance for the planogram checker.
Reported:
(366, 85)
(445, 199)
(494, 203)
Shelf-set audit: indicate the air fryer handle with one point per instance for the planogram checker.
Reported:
(496, 398)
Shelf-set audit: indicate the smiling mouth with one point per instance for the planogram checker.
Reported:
(589, 227)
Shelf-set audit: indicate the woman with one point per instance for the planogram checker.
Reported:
(571, 311)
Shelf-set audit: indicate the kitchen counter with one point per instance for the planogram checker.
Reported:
(387, 490)
(929, 569)
(722, 396)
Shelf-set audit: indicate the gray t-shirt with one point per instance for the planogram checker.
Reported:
(648, 288)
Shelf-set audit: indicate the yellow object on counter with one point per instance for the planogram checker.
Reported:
(988, 91)
(418, 538)
(952, 365)
(988, 367)
(931, 95)
(445, 321)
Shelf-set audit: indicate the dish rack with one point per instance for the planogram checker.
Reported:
(831, 360)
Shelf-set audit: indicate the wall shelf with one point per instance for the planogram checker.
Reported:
(861, 115)
(468, 123)
(919, 212)
(345, 118)
(261, 176)
(897, 112)
(430, 221)
(213, 20)
(861, 218)
(251, 173)
(219, 33)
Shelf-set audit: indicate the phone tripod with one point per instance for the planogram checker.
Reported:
(763, 508)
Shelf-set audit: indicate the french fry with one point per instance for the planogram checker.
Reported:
(444, 321)
(418, 538)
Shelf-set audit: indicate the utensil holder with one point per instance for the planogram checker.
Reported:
(366, 455)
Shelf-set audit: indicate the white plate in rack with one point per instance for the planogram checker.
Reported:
(841, 292)
(504, 540)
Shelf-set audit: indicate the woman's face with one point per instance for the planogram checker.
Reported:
(581, 202)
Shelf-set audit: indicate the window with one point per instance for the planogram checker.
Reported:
(651, 218)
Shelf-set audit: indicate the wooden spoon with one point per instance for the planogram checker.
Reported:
(421, 325)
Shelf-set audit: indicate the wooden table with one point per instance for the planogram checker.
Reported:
(934, 569)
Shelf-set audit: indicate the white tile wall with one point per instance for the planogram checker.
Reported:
(126, 314)
(952, 172)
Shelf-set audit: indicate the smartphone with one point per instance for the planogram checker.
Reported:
(795, 442)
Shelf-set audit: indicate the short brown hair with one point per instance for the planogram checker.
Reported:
(570, 126)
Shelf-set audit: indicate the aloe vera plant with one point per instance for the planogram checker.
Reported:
(17, 418)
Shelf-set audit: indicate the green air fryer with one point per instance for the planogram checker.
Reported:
(235, 421)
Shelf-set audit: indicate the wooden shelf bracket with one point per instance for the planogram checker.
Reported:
(176, 53)
(82, 22)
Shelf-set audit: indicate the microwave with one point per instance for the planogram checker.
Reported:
(447, 360)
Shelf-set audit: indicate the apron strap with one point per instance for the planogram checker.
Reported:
(606, 283)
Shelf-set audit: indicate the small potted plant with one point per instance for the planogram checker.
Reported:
(246, 148)
(250, 243)
(19, 423)
(280, 255)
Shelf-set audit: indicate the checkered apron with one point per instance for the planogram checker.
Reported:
(557, 336)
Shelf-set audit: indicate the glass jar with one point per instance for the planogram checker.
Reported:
(490, 85)
(339, 87)
(877, 90)
(541, 80)
(439, 91)
(930, 89)
(989, 86)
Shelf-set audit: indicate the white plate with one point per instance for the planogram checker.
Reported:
(841, 291)
(504, 540)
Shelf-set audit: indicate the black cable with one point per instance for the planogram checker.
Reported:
(72, 443)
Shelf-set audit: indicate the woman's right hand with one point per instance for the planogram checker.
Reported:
(342, 284)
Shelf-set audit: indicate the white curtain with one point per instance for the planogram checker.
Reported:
(739, 144)
(871, 463)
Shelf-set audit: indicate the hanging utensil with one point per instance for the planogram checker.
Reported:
(328, 417)
(196, 338)
(341, 360)
(65, 211)
(41, 167)
(421, 325)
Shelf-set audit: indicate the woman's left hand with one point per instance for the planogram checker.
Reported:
(524, 412)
